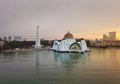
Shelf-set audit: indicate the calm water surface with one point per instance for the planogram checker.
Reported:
(100, 66)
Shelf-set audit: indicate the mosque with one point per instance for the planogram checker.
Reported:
(69, 44)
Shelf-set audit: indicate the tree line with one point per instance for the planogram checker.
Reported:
(29, 44)
(23, 44)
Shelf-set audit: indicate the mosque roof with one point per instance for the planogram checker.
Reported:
(68, 35)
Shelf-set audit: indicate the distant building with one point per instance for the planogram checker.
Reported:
(17, 38)
(1, 42)
(27, 39)
(108, 41)
(5, 38)
(105, 37)
(10, 38)
(112, 36)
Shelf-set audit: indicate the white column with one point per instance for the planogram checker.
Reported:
(37, 42)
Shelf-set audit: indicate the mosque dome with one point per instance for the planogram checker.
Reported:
(68, 36)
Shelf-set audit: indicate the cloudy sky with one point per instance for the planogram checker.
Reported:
(83, 18)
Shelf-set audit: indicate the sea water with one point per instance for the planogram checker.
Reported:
(99, 66)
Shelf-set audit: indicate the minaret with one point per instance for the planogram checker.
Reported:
(37, 42)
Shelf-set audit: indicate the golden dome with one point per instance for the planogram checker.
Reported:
(68, 36)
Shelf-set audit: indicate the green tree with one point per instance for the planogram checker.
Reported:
(6, 45)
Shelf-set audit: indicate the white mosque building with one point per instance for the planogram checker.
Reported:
(69, 44)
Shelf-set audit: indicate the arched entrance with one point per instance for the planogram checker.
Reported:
(56, 46)
(75, 46)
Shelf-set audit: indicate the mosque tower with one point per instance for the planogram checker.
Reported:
(37, 41)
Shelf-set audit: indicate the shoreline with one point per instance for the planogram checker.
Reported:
(25, 49)
(45, 48)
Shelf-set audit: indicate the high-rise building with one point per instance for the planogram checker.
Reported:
(105, 37)
(1, 42)
(5, 38)
(17, 38)
(9, 38)
(112, 36)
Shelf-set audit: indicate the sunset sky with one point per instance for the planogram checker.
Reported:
(83, 18)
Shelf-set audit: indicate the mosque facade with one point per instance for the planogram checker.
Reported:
(69, 44)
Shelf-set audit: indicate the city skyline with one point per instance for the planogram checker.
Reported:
(83, 18)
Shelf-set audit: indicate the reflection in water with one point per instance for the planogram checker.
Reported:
(37, 62)
(100, 66)
(7, 56)
(13, 56)
(69, 59)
